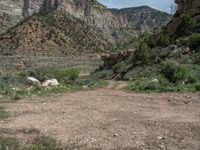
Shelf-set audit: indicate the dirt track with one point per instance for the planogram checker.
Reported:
(110, 119)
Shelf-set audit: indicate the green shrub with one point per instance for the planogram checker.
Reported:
(3, 113)
(63, 75)
(104, 74)
(195, 40)
(43, 143)
(187, 24)
(142, 53)
(119, 67)
(7, 143)
(155, 53)
(164, 40)
(176, 73)
(197, 87)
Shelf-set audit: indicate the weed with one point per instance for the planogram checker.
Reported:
(3, 113)
(7, 143)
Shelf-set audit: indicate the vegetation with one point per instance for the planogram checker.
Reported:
(13, 85)
(187, 25)
(7, 143)
(176, 73)
(195, 40)
(164, 40)
(142, 53)
(43, 143)
(3, 114)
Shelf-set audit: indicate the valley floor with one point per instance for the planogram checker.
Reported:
(109, 118)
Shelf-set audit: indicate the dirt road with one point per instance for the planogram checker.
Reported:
(110, 119)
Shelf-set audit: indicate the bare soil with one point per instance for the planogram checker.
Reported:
(110, 118)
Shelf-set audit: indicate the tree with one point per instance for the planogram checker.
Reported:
(142, 53)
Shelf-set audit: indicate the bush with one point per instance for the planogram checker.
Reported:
(197, 87)
(7, 143)
(187, 24)
(3, 113)
(176, 73)
(195, 40)
(43, 143)
(142, 53)
(64, 75)
(164, 40)
(119, 67)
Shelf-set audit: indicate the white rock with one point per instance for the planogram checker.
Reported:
(52, 82)
(155, 80)
(85, 87)
(32, 81)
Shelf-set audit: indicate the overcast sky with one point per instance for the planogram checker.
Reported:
(164, 5)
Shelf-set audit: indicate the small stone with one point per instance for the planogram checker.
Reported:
(160, 138)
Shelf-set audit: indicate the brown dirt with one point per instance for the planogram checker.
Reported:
(110, 119)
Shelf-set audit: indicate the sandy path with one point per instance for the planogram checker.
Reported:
(110, 118)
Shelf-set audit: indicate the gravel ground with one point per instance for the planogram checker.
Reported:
(110, 118)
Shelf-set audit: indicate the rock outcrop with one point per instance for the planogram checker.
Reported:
(191, 7)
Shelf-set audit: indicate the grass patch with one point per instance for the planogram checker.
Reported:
(43, 143)
(13, 86)
(157, 85)
(3, 113)
(48, 143)
(7, 143)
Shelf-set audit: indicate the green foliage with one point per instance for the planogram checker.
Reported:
(7, 143)
(197, 87)
(43, 143)
(3, 113)
(164, 40)
(176, 73)
(142, 53)
(65, 74)
(62, 75)
(195, 40)
(163, 85)
(119, 67)
(106, 74)
(187, 24)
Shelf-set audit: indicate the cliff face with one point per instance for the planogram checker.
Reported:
(193, 9)
(91, 11)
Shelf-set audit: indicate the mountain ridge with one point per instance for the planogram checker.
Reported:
(113, 29)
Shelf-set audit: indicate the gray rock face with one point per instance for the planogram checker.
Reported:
(90, 11)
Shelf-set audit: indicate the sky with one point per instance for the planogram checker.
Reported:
(163, 5)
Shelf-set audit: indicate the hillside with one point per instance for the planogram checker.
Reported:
(55, 34)
(163, 60)
(93, 27)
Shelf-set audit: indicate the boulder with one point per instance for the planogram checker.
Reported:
(155, 81)
(32, 81)
(52, 82)
(173, 47)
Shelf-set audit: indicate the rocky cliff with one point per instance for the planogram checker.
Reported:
(191, 7)
(91, 11)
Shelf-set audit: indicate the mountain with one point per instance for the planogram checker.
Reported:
(93, 27)
(143, 18)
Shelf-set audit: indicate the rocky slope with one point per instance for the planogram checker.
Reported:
(169, 56)
(105, 28)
